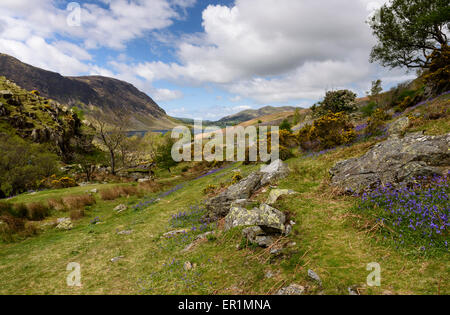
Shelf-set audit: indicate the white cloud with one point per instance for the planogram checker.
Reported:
(277, 50)
(32, 32)
(269, 51)
(36, 51)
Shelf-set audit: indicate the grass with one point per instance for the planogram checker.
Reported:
(329, 237)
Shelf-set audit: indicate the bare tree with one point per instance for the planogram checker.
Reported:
(111, 135)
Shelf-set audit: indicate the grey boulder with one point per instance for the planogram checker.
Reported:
(394, 161)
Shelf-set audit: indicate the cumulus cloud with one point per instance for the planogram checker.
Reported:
(269, 51)
(277, 50)
(33, 32)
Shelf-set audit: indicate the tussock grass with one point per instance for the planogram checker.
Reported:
(78, 201)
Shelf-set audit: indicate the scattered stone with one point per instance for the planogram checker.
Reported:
(204, 235)
(267, 218)
(144, 180)
(94, 191)
(314, 276)
(394, 161)
(187, 266)
(126, 232)
(175, 233)
(64, 224)
(275, 251)
(293, 289)
(257, 236)
(189, 247)
(353, 290)
(269, 274)
(197, 239)
(241, 203)
(287, 229)
(116, 259)
(277, 193)
(120, 208)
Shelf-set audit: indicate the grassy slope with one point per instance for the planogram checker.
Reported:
(329, 237)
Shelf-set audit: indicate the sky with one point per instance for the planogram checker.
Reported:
(203, 59)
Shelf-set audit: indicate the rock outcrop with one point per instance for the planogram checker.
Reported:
(394, 161)
(219, 206)
(263, 225)
(267, 218)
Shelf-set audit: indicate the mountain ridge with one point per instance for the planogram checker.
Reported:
(111, 95)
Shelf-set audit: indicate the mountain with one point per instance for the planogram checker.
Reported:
(250, 114)
(110, 95)
(43, 121)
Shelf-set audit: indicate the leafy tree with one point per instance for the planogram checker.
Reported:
(163, 155)
(375, 91)
(285, 125)
(296, 116)
(336, 102)
(23, 165)
(88, 162)
(408, 31)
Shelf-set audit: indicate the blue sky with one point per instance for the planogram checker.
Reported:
(203, 59)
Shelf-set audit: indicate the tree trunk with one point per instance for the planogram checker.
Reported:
(113, 162)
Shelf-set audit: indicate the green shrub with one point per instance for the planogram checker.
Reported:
(22, 165)
(369, 109)
(285, 125)
(336, 102)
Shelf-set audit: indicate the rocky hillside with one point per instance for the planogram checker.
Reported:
(41, 120)
(110, 95)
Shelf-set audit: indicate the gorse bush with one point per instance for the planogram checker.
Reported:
(417, 215)
(376, 122)
(327, 132)
(287, 139)
(237, 177)
(209, 189)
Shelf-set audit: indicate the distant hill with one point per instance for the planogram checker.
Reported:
(250, 114)
(110, 95)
